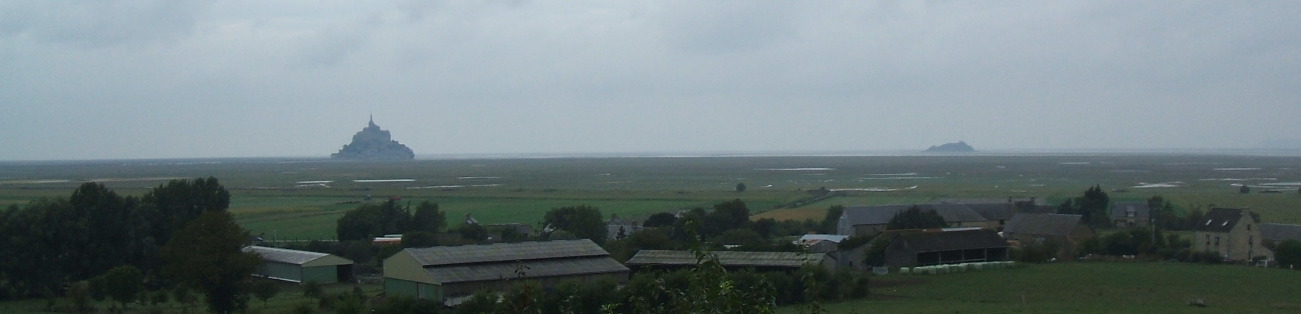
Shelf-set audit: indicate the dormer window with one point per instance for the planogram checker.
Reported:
(1226, 223)
(1208, 221)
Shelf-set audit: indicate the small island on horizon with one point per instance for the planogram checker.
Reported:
(374, 143)
(959, 147)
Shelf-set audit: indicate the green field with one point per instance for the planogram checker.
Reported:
(300, 199)
(1136, 287)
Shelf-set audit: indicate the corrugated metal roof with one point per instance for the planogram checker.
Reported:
(727, 258)
(881, 214)
(992, 211)
(1280, 232)
(288, 256)
(1042, 224)
(505, 252)
(827, 237)
(950, 240)
(531, 269)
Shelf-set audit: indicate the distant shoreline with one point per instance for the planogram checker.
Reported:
(723, 154)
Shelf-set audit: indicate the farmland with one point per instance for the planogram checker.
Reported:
(1134, 287)
(301, 198)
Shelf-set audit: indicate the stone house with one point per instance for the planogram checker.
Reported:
(1067, 231)
(1234, 233)
(1130, 214)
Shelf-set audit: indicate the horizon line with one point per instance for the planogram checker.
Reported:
(1281, 152)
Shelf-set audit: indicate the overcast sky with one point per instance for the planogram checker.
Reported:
(163, 79)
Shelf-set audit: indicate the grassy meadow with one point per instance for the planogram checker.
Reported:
(1134, 287)
(1123, 287)
(302, 198)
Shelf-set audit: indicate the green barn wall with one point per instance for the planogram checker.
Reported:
(320, 274)
(281, 270)
(412, 289)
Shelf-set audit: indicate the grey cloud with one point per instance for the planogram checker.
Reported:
(245, 78)
(101, 23)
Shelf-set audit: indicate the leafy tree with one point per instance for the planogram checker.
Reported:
(511, 235)
(916, 218)
(649, 239)
(832, 220)
(660, 220)
(174, 204)
(52, 241)
(371, 220)
(419, 239)
(123, 284)
(740, 187)
(265, 290)
(206, 256)
(182, 294)
(312, 289)
(726, 216)
(406, 305)
(482, 301)
(359, 251)
(1092, 207)
(158, 297)
(582, 221)
(742, 237)
(358, 224)
(1244, 189)
(876, 252)
(473, 232)
(1288, 253)
(428, 218)
(765, 227)
(79, 294)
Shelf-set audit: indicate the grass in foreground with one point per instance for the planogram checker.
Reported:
(1084, 287)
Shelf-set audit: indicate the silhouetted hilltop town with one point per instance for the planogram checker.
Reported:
(959, 147)
(373, 143)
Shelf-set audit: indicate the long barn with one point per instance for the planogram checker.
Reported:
(301, 266)
(447, 273)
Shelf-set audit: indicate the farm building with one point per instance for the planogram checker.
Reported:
(732, 260)
(447, 273)
(872, 220)
(1067, 231)
(820, 243)
(301, 266)
(1130, 214)
(1233, 233)
(618, 228)
(944, 246)
(998, 211)
(1280, 232)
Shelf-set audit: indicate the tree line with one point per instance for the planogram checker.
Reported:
(177, 235)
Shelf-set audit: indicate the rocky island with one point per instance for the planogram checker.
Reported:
(373, 143)
(959, 147)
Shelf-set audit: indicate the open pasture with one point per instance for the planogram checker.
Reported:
(303, 197)
(1136, 287)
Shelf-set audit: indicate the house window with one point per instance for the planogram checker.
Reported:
(1217, 240)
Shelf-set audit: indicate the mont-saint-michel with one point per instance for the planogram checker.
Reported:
(959, 147)
(374, 143)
